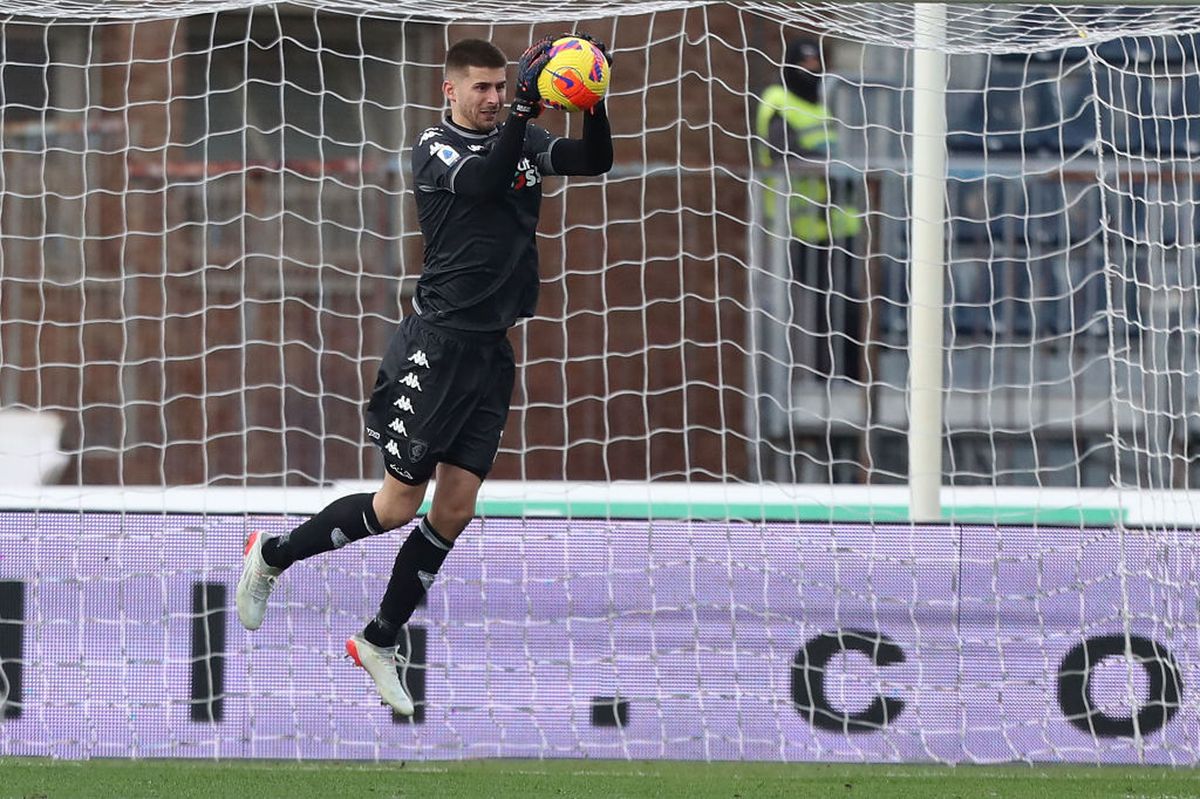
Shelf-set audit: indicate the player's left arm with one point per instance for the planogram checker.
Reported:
(591, 155)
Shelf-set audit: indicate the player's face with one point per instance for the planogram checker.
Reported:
(476, 96)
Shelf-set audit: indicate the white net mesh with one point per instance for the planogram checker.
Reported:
(207, 235)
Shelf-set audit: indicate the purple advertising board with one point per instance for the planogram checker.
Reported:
(610, 639)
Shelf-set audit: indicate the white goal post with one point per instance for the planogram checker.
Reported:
(857, 420)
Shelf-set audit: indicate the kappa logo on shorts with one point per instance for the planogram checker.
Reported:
(419, 358)
(404, 404)
(397, 426)
(402, 472)
(417, 449)
(411, 380)
(391, 449)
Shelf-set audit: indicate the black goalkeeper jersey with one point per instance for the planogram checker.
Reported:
(481, 261)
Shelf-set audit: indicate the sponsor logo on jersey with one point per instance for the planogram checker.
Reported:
(417, 449)
(397, 426)
(527, 175)
(404, 404)
(419, 358)
(444, 152)
(411, 380)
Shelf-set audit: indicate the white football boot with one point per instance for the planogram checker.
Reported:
(384, 664)
(255, 584)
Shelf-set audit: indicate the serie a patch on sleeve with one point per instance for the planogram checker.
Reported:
(444, 152)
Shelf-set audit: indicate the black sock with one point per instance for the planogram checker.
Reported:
(342, 521)
(381, 632)
(416, 566)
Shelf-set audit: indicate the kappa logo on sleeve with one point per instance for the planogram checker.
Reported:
(444, 152)
(427, 135)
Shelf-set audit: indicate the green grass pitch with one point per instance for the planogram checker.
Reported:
(31, 778)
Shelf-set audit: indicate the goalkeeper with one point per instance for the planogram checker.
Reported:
(442, 394)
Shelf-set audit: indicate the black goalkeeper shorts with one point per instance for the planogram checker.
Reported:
(441, 396)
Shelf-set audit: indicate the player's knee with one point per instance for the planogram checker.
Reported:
(397, 517)
(450, 519)
(394, 512)
(396, 503)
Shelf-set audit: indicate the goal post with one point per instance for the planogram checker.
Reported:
(928, 267)
(879, 445)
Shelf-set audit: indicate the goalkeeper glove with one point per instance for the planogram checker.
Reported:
(603, 48)
(527, 102)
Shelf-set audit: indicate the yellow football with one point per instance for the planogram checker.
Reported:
(576, 76)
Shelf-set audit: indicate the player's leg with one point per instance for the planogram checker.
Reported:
(451, 389)
(479, 377)
(416, 566)
(432, 384)
(486, 376)
(350, 518)
(356, 516)
(395, 504)
(423, 552)
(454, 500)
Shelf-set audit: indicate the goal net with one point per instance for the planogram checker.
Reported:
(697, 540)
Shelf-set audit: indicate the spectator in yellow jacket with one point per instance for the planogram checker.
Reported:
(795, 139)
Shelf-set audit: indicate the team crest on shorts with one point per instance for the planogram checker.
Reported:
(417, 449)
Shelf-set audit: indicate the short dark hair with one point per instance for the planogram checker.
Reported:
(474, 53)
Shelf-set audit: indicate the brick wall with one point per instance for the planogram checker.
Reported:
(195, 322)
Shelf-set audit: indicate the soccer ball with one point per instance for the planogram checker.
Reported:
(576, 76)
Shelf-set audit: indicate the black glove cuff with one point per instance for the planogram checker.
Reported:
(526, 108)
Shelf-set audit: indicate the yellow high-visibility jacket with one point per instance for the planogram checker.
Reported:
(806, 131)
